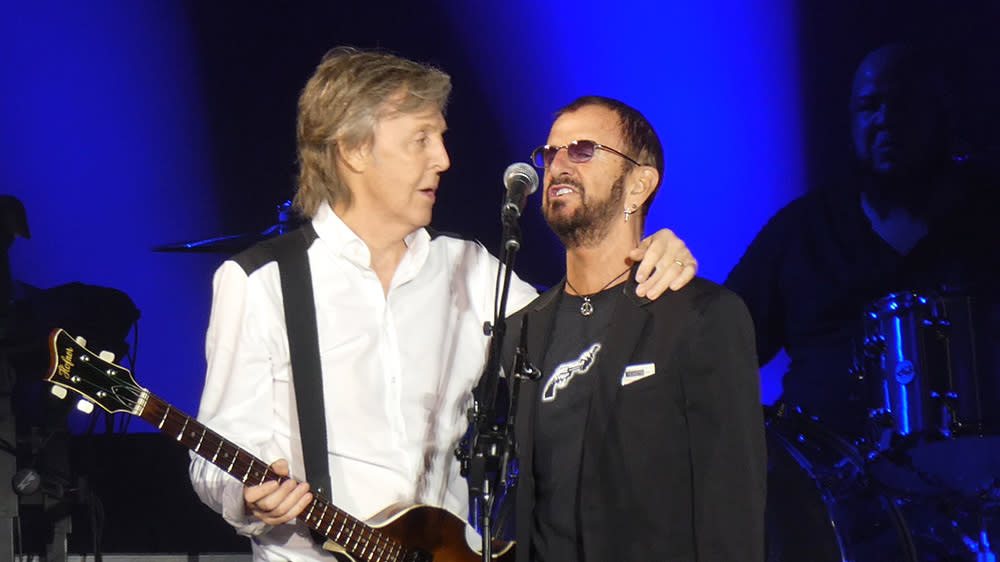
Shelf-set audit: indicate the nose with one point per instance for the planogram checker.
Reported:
(560, 162)
(440, 160)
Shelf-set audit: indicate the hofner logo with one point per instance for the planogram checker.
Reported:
(66, 365)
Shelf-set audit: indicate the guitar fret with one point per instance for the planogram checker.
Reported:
(310, 512)
(183, 428)
(351, 535)
(247, 473)
(330, 524)
(217, 450)
(229, 469)
(197, 447)
(164, 418)
(322, 516)
(340, 531)
(381, 542)
(367, 543)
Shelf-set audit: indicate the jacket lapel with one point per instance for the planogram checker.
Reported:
(627, 324)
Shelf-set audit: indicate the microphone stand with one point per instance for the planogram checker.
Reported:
(488, 449)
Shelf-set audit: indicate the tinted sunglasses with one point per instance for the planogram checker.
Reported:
(578, 151)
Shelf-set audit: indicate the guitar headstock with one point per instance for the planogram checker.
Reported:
(93, 376)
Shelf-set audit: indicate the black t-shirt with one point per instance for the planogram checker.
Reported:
(568, 371)
(816, 267)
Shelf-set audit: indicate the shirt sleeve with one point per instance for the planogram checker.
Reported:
(725, 420)
(521, 292)
(236, 400)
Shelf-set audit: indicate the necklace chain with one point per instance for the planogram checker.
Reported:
(587, 307)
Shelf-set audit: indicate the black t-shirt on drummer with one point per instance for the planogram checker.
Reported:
(569, 368)
(814, 269)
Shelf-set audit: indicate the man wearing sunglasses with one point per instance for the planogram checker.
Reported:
(643, 438)
(399, 313)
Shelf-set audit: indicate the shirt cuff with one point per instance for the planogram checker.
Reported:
(234, 512)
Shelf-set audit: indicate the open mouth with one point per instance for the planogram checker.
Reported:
(557, 191)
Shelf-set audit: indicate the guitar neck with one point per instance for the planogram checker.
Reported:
(360, 540)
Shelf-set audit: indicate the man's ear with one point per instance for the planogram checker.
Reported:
(355, 159)
(643, 181)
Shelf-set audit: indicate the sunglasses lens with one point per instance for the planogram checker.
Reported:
(581, 151)
(540, 157)
(543, 155)
(578, 151)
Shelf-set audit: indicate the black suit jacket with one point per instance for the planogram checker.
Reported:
(673, 464)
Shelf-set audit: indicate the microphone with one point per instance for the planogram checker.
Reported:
(521, 180)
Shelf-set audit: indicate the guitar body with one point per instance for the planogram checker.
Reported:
(436, 532)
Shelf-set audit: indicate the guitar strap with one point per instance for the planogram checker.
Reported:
(303, 349)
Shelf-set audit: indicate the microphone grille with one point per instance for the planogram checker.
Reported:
(521, 172)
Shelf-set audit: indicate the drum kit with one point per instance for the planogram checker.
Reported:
(924, 483)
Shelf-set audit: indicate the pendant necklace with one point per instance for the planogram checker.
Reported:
(587, 307)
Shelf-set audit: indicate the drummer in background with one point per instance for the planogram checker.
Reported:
(912, 218)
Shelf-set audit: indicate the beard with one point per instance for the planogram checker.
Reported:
(590, 222)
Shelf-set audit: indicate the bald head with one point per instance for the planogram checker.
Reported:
(898, 123)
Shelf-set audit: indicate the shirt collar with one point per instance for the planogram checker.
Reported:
(342, 241)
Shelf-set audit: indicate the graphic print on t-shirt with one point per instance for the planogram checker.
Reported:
(564, 372)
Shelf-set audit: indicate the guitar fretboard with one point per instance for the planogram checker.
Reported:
(360, 540)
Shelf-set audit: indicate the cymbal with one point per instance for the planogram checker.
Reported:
(232, 243)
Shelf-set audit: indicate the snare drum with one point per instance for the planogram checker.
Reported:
(931, 363)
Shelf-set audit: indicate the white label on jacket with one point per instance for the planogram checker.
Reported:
(638, 372)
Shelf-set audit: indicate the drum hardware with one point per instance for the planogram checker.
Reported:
(977, 542)
(233, 243)
(820, 505)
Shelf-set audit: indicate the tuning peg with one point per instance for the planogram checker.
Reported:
(106, 356)
(59, 392)
(81, 340)
(85, 407)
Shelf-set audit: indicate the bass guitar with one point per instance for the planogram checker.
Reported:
(414, 534)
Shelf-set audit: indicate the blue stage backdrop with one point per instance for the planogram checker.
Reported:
(113, 145)
(104, 139)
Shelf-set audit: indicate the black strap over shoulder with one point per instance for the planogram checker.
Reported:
(303, 347)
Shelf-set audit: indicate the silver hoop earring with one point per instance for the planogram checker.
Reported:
(629, 211)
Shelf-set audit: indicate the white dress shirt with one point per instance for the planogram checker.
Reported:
(398, 369)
